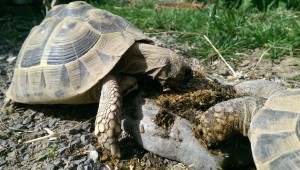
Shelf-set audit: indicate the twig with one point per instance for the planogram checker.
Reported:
(262, 55)
(55, 135)
(235, 74)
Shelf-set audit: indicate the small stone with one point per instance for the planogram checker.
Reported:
(92, 148)
(20, 127)
(148, 163)
(26, 157)
(51, 122)
(223, 72)
(4, 115)
(80, 167)
(19, 120)
(51, 166)
(84, 139)
(74, 131)
(58, 162)
(93, 155)
(3, 135)
(63, 144)
(88, 167)
(39, 116)
(71, 166)
(87, 162)
(32, 124)
(22, 150)
(152, 161)
(11, 144)
(37, 128)
(87, 127)
(61, 151)
(27, 120)
(3, 57)
(79, 161)
(11, 59)
(2, 162)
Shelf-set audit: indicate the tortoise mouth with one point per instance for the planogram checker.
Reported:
(183, 74)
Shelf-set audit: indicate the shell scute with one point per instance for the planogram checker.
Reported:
(275, 132)
(73, 9)
(72, 40)
(288, 160)
(107, 24)
(32, 50)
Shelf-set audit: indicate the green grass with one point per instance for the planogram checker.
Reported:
(231, 31)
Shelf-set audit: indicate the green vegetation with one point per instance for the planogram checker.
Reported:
(50, 152)
(232, 28)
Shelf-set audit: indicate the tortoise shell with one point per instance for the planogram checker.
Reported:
(275, 132)
(74, 47)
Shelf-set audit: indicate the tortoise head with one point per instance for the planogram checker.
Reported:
(178, 72)
(161, 64)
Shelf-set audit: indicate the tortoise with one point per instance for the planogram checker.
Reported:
(268, 114)
(80, 54)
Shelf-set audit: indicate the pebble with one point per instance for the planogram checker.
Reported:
(3, 57)
(86, 127)
(61, 151)
(27, 120)
(92, 147)
(80, 167)
(51, 122)
(3, 135)
(223, 72)
(4, 115)
(11, 144)
(11, 59)
(83, 139)
(93, 155)
(79, 161)
(20, 127)
(71, 166)
(51, 166)
(2, 162)
(58, 162)
(39, 116)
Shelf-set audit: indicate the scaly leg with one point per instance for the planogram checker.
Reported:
(108, 121)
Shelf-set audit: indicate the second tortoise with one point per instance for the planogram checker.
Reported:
(268, 114)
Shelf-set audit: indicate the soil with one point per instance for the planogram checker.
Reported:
(77, 148)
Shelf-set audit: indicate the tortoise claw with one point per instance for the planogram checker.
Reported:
(115, 150)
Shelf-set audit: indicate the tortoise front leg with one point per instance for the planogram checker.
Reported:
(108, 121)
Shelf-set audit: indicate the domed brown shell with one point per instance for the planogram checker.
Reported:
(275, 132)
(74, 47)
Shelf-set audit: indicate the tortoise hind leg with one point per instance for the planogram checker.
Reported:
(108, 121)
